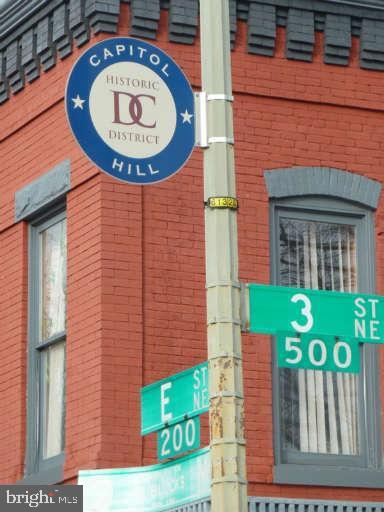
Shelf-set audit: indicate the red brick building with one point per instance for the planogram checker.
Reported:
(103, 283)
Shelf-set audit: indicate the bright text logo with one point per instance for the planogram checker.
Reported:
(45, 498)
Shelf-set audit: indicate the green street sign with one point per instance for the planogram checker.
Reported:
(350, 316)
(317, 352)
(179, 438)
(174, 399)
(148, 488)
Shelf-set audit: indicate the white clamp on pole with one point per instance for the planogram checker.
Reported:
(201, 119)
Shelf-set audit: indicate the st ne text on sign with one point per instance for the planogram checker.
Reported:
(317, 352)
(174, 399)
(350, 316)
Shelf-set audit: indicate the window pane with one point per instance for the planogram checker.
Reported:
(53, 280)
(53, 367)
(319, 410)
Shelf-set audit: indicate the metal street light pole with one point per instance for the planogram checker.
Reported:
(226, 413)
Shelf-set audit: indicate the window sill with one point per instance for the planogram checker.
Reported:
(328, 476)
(51, 475)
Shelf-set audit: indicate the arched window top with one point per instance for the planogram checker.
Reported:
(303, 181)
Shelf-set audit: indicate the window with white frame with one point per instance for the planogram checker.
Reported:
(47, 336)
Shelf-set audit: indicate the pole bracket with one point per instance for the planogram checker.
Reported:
(228, 440)
(220, 355)
(226, 394)
(201, 119)
(214, 284)
(225, 140)
(223, 320)
(235, 480)
(215, 97)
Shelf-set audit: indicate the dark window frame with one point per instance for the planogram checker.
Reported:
(37, 469)
(336, 470)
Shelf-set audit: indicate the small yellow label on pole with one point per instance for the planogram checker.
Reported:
(223, 202)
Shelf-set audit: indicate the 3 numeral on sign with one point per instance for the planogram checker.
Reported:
(305, 311)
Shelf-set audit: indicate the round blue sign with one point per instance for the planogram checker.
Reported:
(131, 109)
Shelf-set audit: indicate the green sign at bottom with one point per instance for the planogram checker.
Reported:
(148, 488)
(317, 352)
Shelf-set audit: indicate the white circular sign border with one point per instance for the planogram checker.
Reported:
(173, 157)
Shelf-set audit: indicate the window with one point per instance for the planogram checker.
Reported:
(47, 334)
(327, 424)
(319, 410)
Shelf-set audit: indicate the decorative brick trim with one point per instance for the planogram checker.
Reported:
(232, 21)
(29, 61)
(78, 23)
(103, 15)
(338, 39)
(243, 9)
(60, 33)
(3, 80)
(372, 44)
(44, 191)
(12, 67)
(145, 16)
(183, 21)
(300, 181)
(261, 29)
(44, 45)
(300, 39)
(34, 32)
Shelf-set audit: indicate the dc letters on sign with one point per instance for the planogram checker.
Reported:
(131, 109)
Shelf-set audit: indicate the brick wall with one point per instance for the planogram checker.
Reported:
(13, 315)
(136, 283)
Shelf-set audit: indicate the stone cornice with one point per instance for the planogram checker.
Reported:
(34, 33)
(304, 181)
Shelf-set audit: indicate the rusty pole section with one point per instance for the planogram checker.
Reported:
(226, 413)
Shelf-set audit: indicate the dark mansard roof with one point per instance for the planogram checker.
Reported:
(36, 34)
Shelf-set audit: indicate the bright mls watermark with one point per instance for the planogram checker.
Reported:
(46, 498)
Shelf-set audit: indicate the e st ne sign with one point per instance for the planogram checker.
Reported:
(174, 399)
